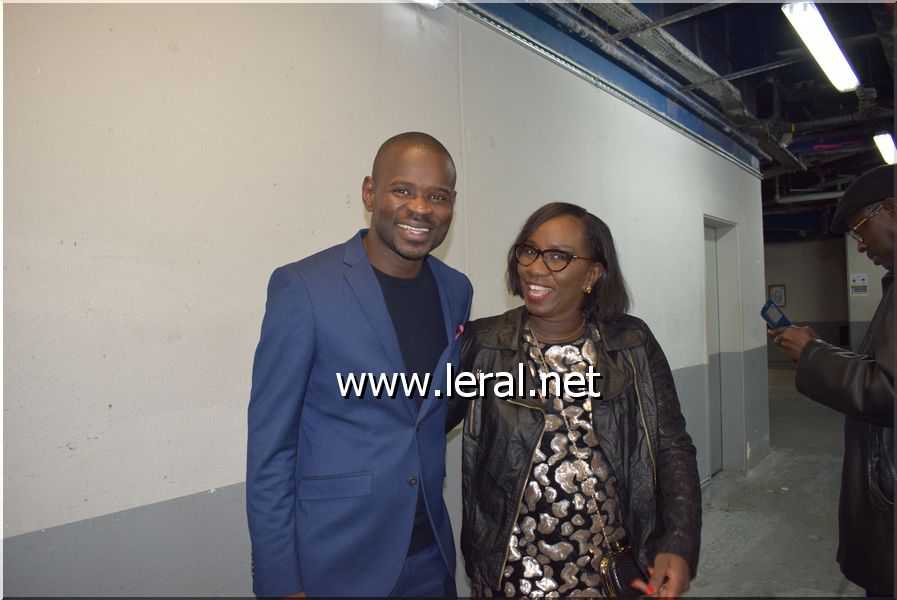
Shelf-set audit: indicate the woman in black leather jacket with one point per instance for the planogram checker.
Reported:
(554, 478)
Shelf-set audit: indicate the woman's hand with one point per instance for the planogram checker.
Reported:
(670, 577)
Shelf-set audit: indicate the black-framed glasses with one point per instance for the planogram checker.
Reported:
(555, 260)
(855, 230)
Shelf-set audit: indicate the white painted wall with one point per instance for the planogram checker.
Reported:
(161, 160)
(862, 308)
(562, 139)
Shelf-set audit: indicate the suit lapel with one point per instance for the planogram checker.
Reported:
(367, 290)
(438, 380)
(364, 284)
(448, 318)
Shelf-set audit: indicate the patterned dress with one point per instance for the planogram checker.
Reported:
(558, 539)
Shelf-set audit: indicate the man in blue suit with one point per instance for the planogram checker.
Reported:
(344, 485)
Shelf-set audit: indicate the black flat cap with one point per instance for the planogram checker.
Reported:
(872, 186)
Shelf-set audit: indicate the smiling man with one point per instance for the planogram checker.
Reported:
(861, 386)
(344, 494)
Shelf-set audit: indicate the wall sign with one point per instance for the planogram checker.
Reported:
(859, 284)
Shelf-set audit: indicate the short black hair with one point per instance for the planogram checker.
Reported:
(609, 298)
(411, 139)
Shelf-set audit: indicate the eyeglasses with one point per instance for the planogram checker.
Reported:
(855, 230)
(555, 260)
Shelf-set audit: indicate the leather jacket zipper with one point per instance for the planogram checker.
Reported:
(471, 421)
(529, 469)
(641, 413)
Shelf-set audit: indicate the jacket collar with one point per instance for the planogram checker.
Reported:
(353, 252)
(505, 332)
(360, 277)
(364, 283)
(504, 335)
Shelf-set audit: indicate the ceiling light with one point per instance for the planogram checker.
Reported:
(806, 20)
(434, 4)
(885, 144)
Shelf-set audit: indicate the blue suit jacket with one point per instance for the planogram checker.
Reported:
(332, 483)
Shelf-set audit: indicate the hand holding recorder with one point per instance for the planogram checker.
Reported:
(790, 338)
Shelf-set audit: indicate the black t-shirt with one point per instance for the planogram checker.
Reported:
(416, 312)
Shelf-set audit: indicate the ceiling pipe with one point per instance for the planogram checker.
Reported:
(793, 56)
(841, 180)
(669, 20)
(861, 116)
(574, 23)
(745, 73)
(809, 197)
(672, 53)
(666, 48)
(864, 38)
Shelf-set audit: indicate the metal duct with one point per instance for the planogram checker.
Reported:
(671, 52)
(573, 22)
(660, 44)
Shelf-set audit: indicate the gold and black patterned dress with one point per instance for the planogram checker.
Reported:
(557, 542)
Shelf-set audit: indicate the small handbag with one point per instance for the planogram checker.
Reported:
(618, 568)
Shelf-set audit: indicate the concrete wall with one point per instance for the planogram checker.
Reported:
(813, 274)
(861, 308)
(161, 160)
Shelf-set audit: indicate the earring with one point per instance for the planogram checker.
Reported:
(587, 289)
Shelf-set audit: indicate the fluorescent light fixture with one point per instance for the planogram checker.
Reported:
(885, 144)
(434, 4)
(806, 20)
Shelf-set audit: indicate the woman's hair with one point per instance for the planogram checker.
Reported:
(609, 297)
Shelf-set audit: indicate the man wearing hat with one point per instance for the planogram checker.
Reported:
(861, 386)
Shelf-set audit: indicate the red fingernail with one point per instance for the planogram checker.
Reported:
(650, 590)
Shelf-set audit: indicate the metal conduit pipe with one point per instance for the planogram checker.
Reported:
(576, 25)
(809, 197)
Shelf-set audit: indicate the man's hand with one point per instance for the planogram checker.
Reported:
(670, 577)
(792, 339)
(297, 595)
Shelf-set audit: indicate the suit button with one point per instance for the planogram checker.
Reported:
(418, 427)
(412, 480)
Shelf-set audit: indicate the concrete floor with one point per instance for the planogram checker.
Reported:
(774, 530)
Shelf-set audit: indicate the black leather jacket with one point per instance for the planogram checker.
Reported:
(640, 429)
(861, 386)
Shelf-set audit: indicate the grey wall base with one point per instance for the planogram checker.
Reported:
(755, 386)
(198, 545)
(744, 404)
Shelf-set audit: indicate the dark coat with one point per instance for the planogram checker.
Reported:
(861, 386)
(638, 423)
